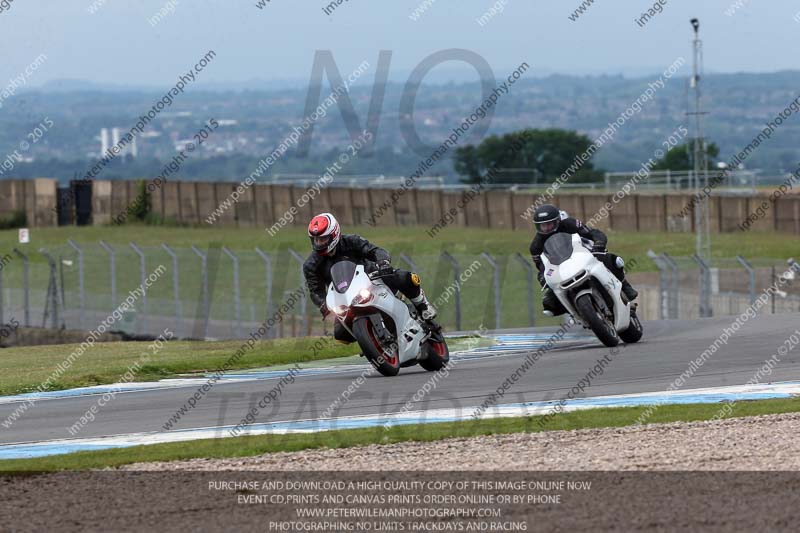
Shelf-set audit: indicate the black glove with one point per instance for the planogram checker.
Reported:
(599, 249)
(385, 268)
(379, 269)
(323, 308)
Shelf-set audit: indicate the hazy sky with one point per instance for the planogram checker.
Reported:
(118, 45)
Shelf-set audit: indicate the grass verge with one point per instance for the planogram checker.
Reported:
(257, 445)
(24, 368)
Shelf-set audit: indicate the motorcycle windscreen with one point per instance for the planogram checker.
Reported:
(342, 274)
(558, 248)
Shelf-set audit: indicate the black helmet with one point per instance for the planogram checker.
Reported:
(546, 219)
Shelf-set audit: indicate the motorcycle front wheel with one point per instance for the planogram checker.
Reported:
(599, 324)
(387, 364)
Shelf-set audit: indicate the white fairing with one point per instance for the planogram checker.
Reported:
(410, 334)
(561, 277)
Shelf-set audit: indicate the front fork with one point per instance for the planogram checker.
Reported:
(379, 327)
(344, 325)
(599, 301)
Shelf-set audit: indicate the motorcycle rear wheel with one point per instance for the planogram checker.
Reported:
(599, 324)
(634, 331)
(437, 354)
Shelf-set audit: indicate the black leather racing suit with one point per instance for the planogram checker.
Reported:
(572, 225)
(317, 271)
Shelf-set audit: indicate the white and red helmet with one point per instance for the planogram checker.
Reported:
(324, 232)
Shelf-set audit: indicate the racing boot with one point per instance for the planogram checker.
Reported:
(628, 290)
(424, 307)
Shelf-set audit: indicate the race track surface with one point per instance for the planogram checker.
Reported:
(650, 366)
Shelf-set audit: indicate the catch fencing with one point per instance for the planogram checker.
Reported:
(219, 293)
(688, 288)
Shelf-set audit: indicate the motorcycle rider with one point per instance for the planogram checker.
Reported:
(548, 221)
(329, 246)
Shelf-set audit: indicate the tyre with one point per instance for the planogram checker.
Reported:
(634, 331)
(437, 354)
(387, 365)
(602, 328)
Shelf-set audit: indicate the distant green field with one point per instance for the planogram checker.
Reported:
(410, 240)
(437, 275)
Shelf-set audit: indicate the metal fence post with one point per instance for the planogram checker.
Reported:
(529, 278)
(751, 275)
(663, 283)
(176, 287)
(25, 286)
(268, 273)
(63, 297)
(303, 303)
(142, 324)
(795, 270)
(237, 304)
(204, 275)
(705, 287)
(456, 269)
(675, 289)
(496, 285)
(774, 279)
(81, 286)
(112, 259)
(52, 291)
(410, 262)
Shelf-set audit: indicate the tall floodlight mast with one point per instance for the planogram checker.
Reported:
(702, 223)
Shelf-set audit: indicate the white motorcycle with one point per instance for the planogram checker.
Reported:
(388, 330)
(588, 290)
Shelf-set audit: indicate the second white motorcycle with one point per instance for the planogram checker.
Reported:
(589, 291)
